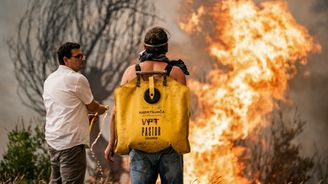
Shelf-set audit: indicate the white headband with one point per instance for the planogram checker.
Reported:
(158, 45)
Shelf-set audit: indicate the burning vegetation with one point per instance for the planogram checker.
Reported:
(256, 48)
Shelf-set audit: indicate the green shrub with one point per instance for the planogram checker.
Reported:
(26, 159)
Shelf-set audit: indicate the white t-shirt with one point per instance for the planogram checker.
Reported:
(65, 96)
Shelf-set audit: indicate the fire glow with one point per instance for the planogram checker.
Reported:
(261, 43)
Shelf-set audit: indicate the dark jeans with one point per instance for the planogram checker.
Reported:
(145, 167)
(68, 166)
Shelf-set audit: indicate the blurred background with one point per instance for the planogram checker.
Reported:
(193, 31)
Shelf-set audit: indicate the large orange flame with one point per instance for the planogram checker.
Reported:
(261, 44)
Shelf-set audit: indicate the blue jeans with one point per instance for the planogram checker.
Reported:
(145, 167)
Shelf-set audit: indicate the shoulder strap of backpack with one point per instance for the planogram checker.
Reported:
(168, 68)
(138, 68)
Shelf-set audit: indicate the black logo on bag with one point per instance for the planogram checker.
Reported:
(149, 128)
(152, 98)
(152, 112)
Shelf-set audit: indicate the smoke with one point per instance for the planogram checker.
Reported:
(321, 6)
(308, 90)
(181, 45)
(11, 109)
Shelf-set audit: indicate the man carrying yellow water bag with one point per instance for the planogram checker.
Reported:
(151, 117)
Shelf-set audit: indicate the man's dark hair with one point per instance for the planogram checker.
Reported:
(65, 51)
(156, 40)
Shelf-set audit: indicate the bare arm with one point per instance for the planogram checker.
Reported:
(109, 151)
(95, 106)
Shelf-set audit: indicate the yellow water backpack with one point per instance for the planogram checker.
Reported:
(152, 113)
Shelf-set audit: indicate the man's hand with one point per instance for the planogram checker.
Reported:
(102, 109)
(109, 152)
(94, 106)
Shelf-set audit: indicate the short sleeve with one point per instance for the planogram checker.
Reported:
(83, 90)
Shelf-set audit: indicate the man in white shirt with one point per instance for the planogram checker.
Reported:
(68, 98)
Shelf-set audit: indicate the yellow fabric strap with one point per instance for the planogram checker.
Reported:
(151, 87)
